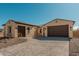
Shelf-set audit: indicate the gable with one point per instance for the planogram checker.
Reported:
(18, 22)
(9, 22)
(59, 22)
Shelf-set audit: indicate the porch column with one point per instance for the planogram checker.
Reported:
(46, 32)
(26, 31)
(16, 31)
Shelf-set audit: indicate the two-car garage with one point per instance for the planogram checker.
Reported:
(58, 28)
(58, 31)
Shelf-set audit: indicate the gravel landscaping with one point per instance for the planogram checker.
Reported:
(74, 47)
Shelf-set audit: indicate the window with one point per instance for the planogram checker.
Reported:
(40, 30)
(9, 29)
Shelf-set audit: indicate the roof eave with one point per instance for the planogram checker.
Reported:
(58, 19)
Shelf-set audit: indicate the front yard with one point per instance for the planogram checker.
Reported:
(34, 47)
(9, 42)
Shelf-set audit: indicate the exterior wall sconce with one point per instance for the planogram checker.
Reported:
(56, 21)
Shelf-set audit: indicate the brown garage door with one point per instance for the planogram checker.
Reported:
(58, 31)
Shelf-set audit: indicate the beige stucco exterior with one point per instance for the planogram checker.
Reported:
(13, 25)
(1, 34)
(35, 30)
(58, 22)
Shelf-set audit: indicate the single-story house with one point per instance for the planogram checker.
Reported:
(54, 28)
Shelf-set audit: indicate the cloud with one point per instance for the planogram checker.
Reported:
(75, 27)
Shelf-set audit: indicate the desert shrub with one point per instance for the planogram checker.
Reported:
(76, 34)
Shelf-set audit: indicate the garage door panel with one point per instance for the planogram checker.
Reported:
(58, 30)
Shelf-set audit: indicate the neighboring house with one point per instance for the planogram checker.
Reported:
(55, 28)
(1, 33)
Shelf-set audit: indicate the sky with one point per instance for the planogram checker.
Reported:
(38, 14)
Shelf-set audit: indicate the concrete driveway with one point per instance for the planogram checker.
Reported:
(35, 47)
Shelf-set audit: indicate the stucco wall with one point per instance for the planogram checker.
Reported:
(13, 26)
(35, 31)
(32, 33)
(1, 34)
(60, 22)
